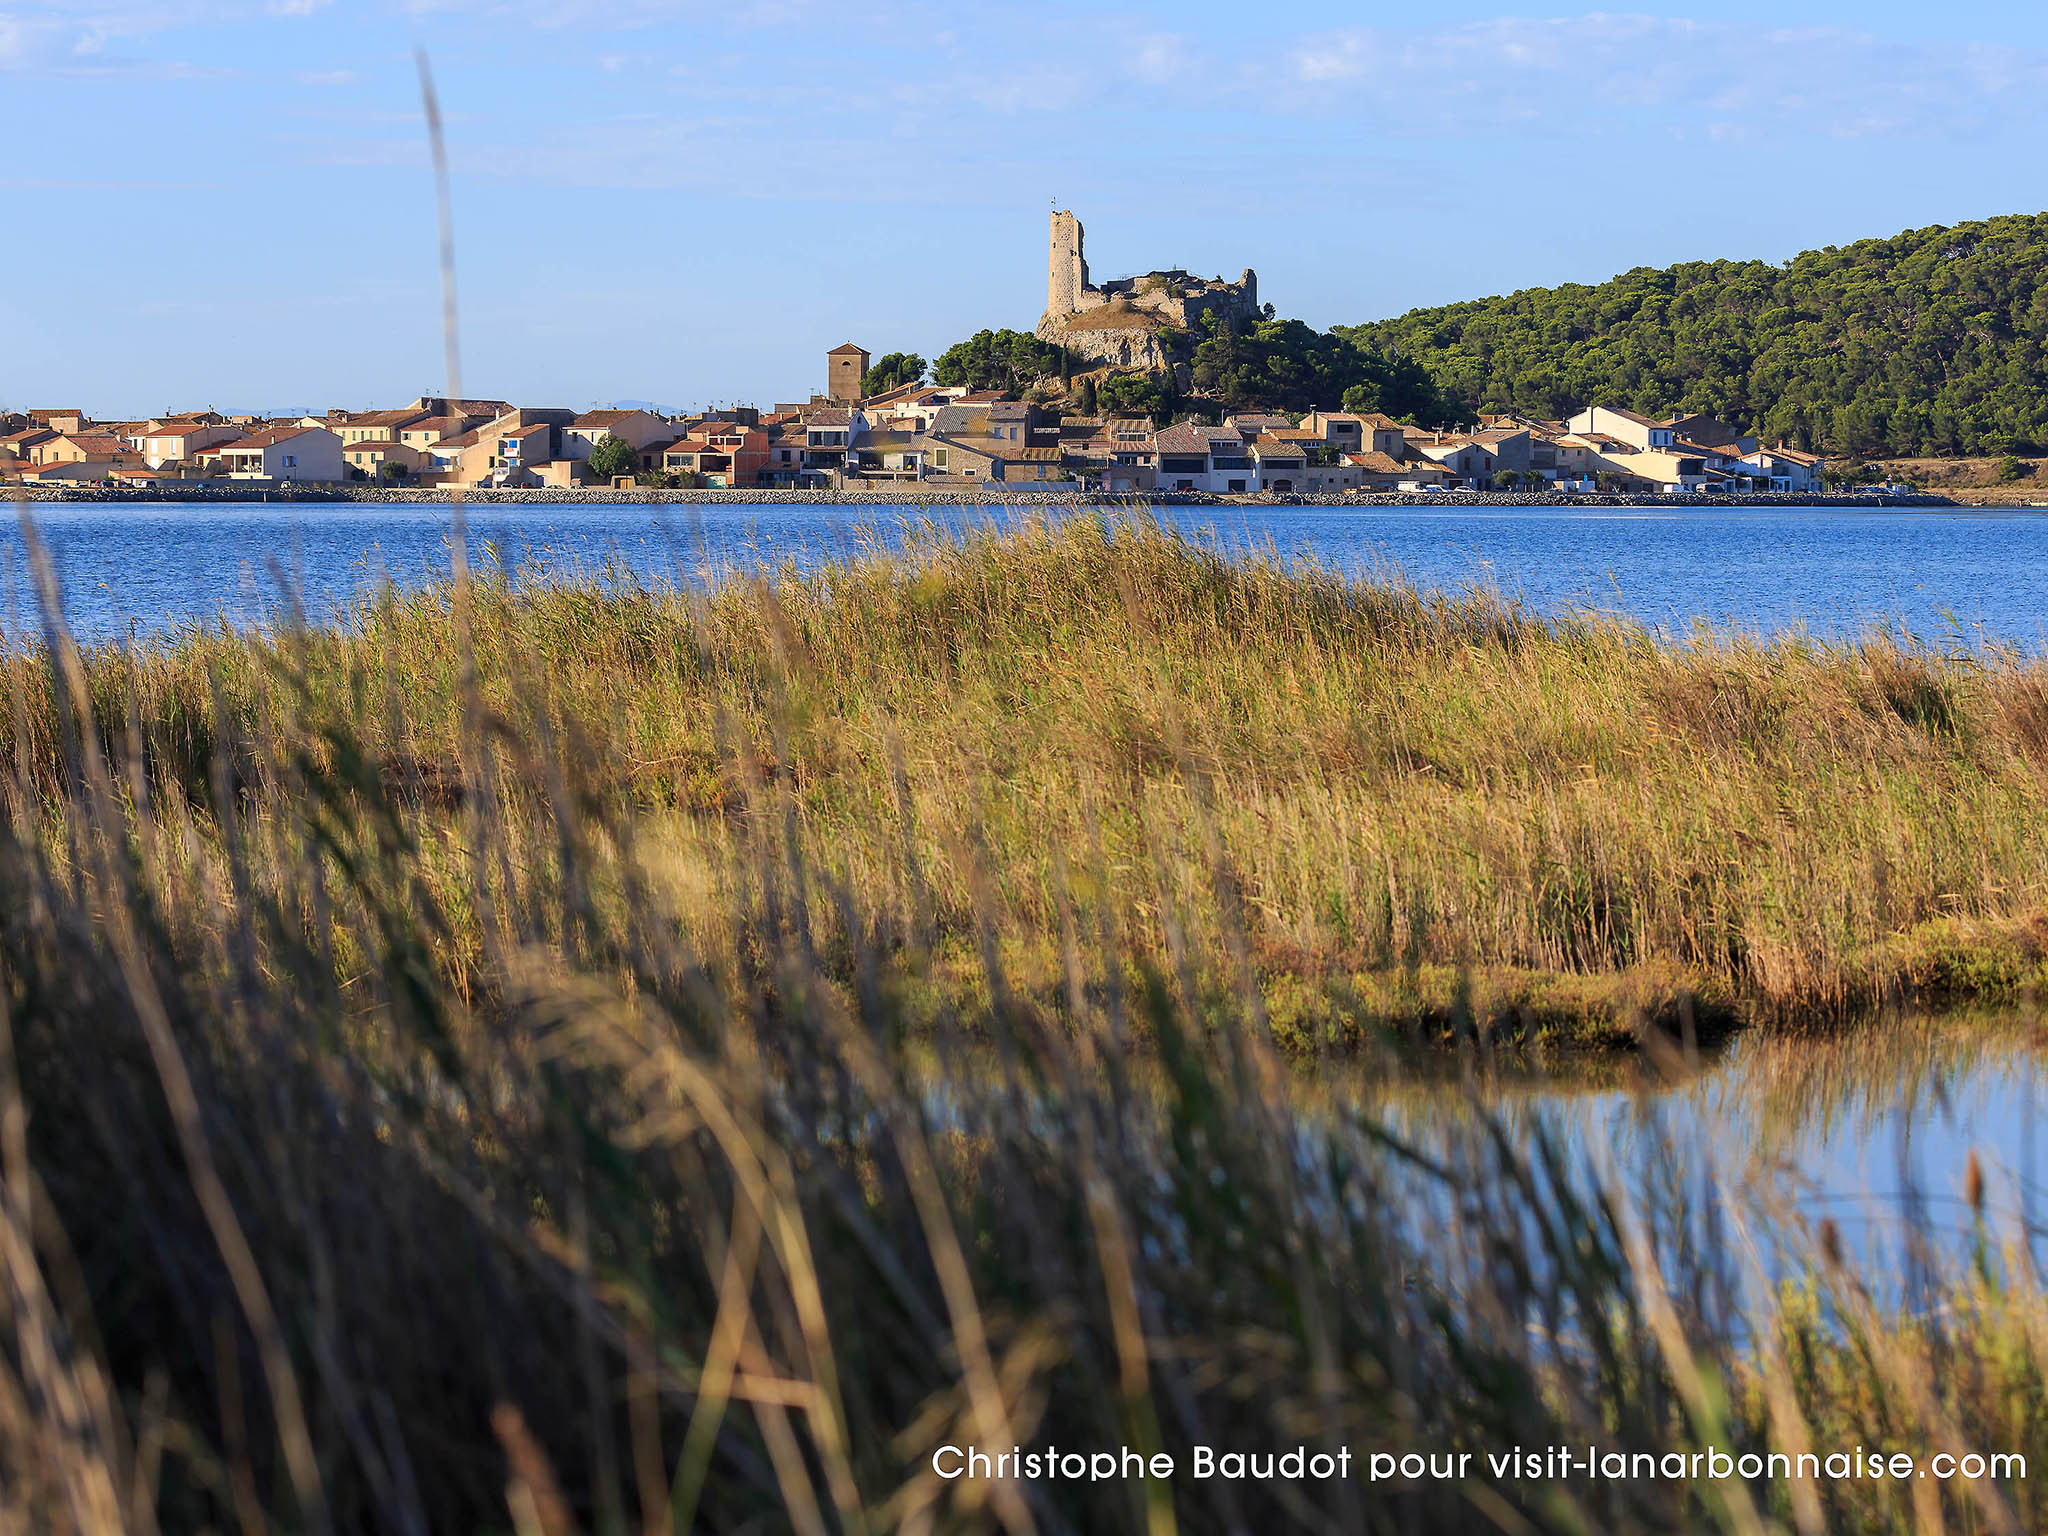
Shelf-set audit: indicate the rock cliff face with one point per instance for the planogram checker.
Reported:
(1116, 334)
(1120, 322)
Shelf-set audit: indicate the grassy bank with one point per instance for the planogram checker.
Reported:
(590, 1058)
(1428, 805)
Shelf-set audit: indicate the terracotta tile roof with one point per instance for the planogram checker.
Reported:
(383, 418)
(1184, 437)
(602, 418)
(1377, 463)
(846, 348)
(266, 438)
(468, 407)
(836, 416)
(1264, 448)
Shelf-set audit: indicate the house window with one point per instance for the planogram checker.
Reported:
(291, 461)
(939, 457)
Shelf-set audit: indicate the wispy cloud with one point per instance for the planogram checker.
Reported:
(98, 39)
(1570, 76)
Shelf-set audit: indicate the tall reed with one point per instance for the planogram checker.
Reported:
(767, 1034)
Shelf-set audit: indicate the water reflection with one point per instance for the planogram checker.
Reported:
(1872, 1128)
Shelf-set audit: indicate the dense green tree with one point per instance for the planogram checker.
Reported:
(612, 456)
(1005, 360)
(1285, 365)
(892, 370)
(1085, 396)
(1932, 342)
(1130, 394)
(1271, 365)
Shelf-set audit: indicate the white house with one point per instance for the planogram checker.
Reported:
(1790, 472)
(1664, 471)
(1197, 458)
(175, 442)
(1637, 431)
(286, 453)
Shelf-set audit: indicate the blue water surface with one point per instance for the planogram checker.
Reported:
(1952, 576)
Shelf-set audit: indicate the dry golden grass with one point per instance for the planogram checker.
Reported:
(587, 1058)
(1593, 822)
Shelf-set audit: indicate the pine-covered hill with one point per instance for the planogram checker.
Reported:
(1931, 342)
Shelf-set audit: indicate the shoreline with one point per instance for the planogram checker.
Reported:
(605, 495)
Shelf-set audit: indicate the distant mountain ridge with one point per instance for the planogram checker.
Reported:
(1930, 342)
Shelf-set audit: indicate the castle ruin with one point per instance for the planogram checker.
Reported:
(1119, 322)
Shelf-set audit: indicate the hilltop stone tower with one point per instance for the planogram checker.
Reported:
(845, 367)
(1120, 322)
(1066, 267)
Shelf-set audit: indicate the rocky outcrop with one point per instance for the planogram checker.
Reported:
(1122, 323)
(1116, 335)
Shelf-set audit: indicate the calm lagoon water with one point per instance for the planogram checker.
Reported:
(1950, 576)
(1872, 1128)
(1856, 1129)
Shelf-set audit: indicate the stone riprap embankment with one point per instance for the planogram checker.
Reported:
(931, 498)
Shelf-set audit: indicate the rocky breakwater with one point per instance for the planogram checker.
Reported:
(891, 496)
(539, 496)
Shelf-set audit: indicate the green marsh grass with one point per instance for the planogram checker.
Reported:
(584, 1056)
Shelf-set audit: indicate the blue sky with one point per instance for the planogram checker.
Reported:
(229, 202)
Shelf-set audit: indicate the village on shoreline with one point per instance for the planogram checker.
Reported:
(918, 442)
(869, 435)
